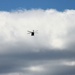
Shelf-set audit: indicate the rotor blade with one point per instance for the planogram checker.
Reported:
(29, 31)
(36, 31)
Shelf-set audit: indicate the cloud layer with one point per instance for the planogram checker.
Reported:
(52, 47)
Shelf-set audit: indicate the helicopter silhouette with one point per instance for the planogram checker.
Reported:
(31, 32)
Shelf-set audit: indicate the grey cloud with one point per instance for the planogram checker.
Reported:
(12, 62)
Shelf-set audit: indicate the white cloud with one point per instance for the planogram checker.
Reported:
(53, 27)
(35, 69)
(69, 63)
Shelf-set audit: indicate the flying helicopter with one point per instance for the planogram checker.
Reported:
(32, 32)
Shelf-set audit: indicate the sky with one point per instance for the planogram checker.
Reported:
(61, 5)
(51, 51)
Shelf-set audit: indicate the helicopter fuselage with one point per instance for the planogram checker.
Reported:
(32, 33)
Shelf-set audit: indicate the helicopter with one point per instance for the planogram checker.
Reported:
(31, 32)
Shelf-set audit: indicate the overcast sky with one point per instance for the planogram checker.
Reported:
(50, 52)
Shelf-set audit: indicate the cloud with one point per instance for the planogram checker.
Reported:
(52, 46)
